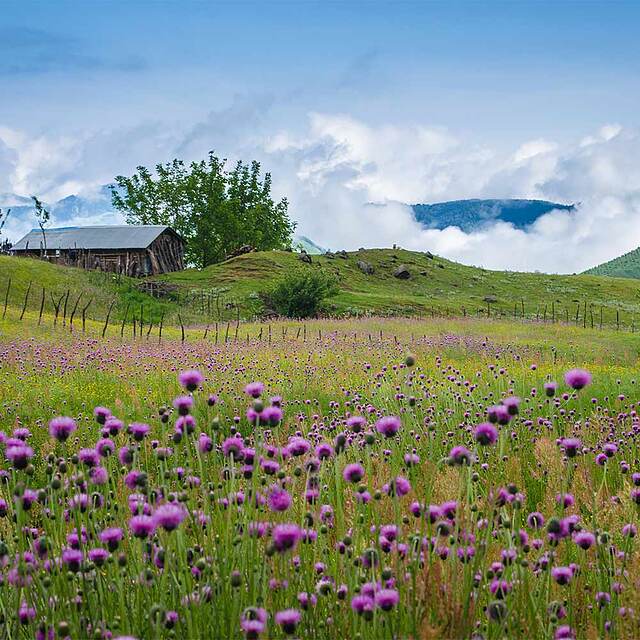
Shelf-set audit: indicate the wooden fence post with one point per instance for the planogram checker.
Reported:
(64, 309)
(126, 313)
(181, 327)
(26, 299)
(73, 313)
(84, 313)
(56, 307)
(160, 328)
(6, 299)
(41, 306)
(106, 322)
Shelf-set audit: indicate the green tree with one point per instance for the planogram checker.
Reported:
(216, 210)
(300, 293)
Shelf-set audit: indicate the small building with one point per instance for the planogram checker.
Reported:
(132, 250)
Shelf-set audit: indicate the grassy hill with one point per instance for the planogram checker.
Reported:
(434, 283)
(624, 266)
(435, 286)
(100, 288)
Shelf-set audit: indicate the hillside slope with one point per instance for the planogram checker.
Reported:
(624, 266)
(434, 283)
(100, 288)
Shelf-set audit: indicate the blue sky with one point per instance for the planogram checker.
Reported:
(489, 69)
(346, 102)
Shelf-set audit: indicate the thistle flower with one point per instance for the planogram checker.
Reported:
(398, 486)
(183, 404)
(279, 499)
(285, 537)
(356, 423)
(89, 457)
(550, 389)
(139, 430)
(564, 632)
(353, 472)
(288, 620)
(570, 446)
(512, 405)
(254, 389)
(388, 426)
(485, 434)
(169, 516)
(362, 604)
(111, 537)
(190, 379)
(19, 455)
(460, 456)
(562, 575)
(499, 414)
(271, 416)
(101, 414)
(232, 447)
(584, 539)
(577, 378)
(205, 443)
(61, 428)
(142, 526)
(72, 558)
(386, 599)
(253, 622)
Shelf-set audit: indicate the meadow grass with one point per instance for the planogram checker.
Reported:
(432, 540)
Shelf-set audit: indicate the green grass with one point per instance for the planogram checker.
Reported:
(436, 287)
(98, 287)
(344, 366)
(436, 284)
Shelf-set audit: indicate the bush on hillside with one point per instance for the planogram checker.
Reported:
(300, 293)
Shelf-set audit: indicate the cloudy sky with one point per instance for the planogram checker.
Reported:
(355, 108)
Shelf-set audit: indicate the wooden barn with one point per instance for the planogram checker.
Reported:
(132, 250)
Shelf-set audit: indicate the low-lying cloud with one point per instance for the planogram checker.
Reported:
(346, 181)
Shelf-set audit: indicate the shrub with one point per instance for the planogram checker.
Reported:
(300, 293)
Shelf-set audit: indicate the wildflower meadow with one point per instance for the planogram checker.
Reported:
(382, 479)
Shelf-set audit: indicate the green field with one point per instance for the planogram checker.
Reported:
(434, 284)
(236, 521)
(435, 287)
(330, 371)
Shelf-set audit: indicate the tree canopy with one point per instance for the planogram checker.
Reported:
(215, 209)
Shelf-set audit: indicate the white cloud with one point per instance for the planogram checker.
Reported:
(345, 177)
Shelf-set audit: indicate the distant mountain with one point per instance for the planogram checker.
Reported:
(624, 266)
(471, 215)
(302, 242)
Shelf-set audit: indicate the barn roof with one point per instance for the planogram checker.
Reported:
(125, 236)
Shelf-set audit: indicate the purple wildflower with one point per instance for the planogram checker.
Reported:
(169, 516)
(288, 620)
(61, 428)
(142, 526)
(577, 378)
(353, 472)
(190, 379)
(254, 389)
(486, 434)
(285, 537)
(388, 426)
(279, 499)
